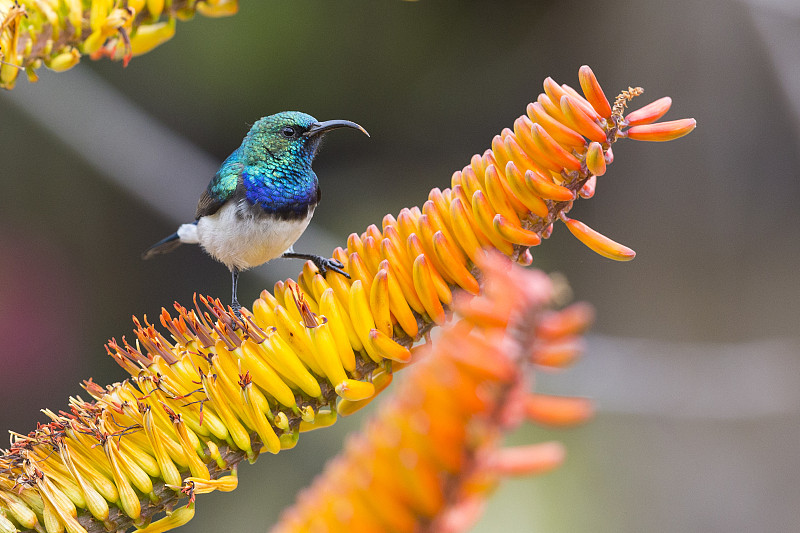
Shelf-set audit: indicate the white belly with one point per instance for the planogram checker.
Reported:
(246, 241)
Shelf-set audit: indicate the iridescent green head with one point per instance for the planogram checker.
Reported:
(289, 138)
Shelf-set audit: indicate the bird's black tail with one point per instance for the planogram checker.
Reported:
(163, 246)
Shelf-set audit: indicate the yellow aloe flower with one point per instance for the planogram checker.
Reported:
(57, 33)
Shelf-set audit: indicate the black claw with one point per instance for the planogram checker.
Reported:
(323, 264)
(334, 265)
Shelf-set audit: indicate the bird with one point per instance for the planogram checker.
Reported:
(261, 199)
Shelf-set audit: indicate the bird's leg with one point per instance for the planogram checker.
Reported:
(322, 263)
(235, 305)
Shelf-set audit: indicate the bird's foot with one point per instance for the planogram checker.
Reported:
(325, 264)
(237, 309)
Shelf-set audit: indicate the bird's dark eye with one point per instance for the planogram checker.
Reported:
(289, 132)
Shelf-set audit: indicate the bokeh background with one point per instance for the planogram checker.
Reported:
(694, 360)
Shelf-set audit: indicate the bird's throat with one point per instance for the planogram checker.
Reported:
(285, 195)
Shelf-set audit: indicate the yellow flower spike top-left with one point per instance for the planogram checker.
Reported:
(57, 33)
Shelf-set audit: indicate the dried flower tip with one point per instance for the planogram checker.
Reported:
(662, 131)
(621, 102)
(308, 318)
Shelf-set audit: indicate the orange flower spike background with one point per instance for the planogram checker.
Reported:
(430, 456)
(225, 388)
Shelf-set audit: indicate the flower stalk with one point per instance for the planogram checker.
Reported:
(217, 388)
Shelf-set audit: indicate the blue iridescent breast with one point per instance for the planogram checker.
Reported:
(282, 193)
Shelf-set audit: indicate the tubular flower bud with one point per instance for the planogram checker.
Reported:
(596, 159)
(598, 242)
(583, 103)
(174, 519)
(526, 460)
(589, 188)
(577, 118)
(354, 390)
(149, 36)
(593, 92)
(216, 387)
(662, 131)
(649, 113)
(515, 234)
(58, 33)
(554, 150)
(558, 130)
(557, 410)
(218, 8)
(545, 188)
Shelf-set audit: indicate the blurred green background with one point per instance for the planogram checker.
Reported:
(694, 359)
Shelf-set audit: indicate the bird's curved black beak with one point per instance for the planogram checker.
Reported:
(327, 125)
